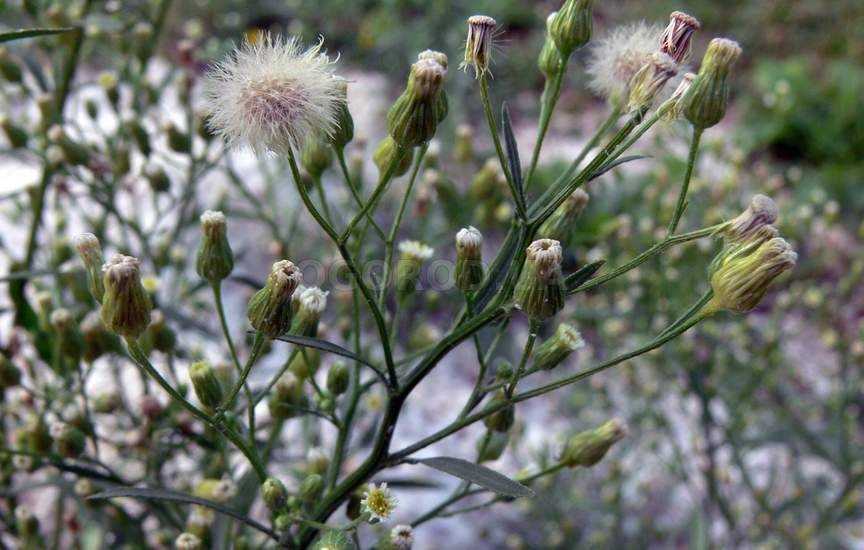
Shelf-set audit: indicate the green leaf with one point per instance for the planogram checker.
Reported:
(512, 153)
(580, 277)
(475, 473)
(499, 269)
(615, 164)
(330, 347)
(30, 33)
(164, 494)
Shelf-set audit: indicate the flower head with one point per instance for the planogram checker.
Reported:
(469, 260)
(589, 447)
(378, 502)
(126, 306)
(761, 212)
(540, 288)
(402, 537)
(707, 98)
(215, 259)
(270, 94)
(742, 274)
(676, 39)
(618, 56)
(269, 309)
(478, 46)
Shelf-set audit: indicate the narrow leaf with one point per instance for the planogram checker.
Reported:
(498, 270)
(480, 475)
(323, 345)
(512, 152)
(615, 164)
(30, 33)
(577, 279)
(164, 494)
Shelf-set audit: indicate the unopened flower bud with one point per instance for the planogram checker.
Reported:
(492, 445)
(317, 155)
(16, 135)
(414, 117)
(679, 93)
(274, 494)
(385, 154)
(311, 487)
(676, 41)
(305, 363)
(126, 306)
(469, 259)
(562, 223)
(286, 397)
(90, 251)
(557, 348)
(478, 45)
(571, 29)
(270, 308)
(589, 447)
(550, 62)
(463, 148)
(540, 289)
(206, 385)
(317, 461)
(338, 378)
(650, 80)
(343, 131)
(501, 420)
(411, 258)
(215, 259)
(742, 273)
(402, 537)
(217, 490)
(706, 101)
(761, 212)
(333, 539)
(311, 303)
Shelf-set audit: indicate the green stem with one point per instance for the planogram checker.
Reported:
(551, 94)
(340, 155)
(257, 348)
(685, 186)
(376, 195)
(526, 353)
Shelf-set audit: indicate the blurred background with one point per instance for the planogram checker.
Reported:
(749, 431)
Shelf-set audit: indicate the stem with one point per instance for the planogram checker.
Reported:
(340, 154)
(685, 186)
(376, 194)
(526, 353)
(551, 94)
(257, 348)
(496, 139)
(482, 360)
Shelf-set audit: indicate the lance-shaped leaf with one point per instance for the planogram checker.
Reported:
(475, 473)
(577, 279)
(164, 494)
(499, 269)
(512, 153)
(329, 347)
(20, 34)
(615, 164)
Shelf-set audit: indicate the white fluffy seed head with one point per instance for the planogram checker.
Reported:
(619, 55)
(271, 94)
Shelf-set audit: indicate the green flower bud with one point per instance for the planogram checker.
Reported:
(10, 375)
(270, 308)
(647, 83)
(760, 213)
(215, 259)
(384, 154)
(338, 378)
(676, 41)
(206, 384)
(178, 140)
(316, 156)
(680, 92)
(126, 306)
(140, 136)
(492, 445)
(66, 330)
(414, 117)
(540, 288)
(317, 461)
(706, 100)
(469, 259)
(311, 303)
(73, 152)
(412, 254)
(35, 436)
(188, 541)
(286, 397)
(274, 494)
(217, 490)
(589, 447)
(157, 178)
(502, 420)
(562, 223)
(159, 335)
(550, 62)
(343, 132)
(333, 540)
(572, 27)
(479, 44)
(463, 147)
(311, 487)
(742, 273)
(16, 135)
(69, 440)
(556, 349)
(305, 363)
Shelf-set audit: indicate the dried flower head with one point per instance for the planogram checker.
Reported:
(402, 537)
(378, 502)
(126, 306)
(271, 94)
(650, 80)
(618, 56)
(678, 94)
(269, 309)
(478, 46)
(540, 289)
(676, 40)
